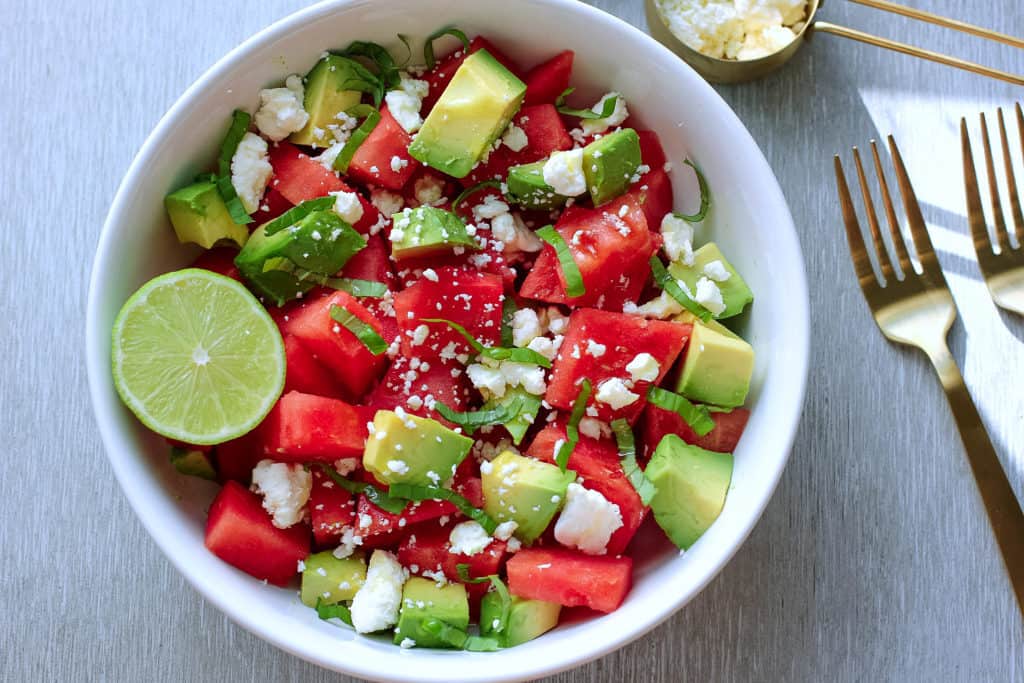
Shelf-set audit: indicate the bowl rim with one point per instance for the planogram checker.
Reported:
(98, 362)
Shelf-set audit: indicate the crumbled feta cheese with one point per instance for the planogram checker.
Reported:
(407, 643)
(428, 190)
(348, 543)
(618, 115)
(515, 138)
(346, 466)
(490, 207)
(557, 322)
(588, 521)
(405, 102)
(546, 347)
(678, 236)
(615, 393)
(468, 538)
(510, 229)
(420, 334)
(727, 29)
(280, 113)
(717, 271)
(430, 274)
(486, 379)
(285, 490)
(525, 327)
(709, 296)
(250, 170)
(643, 367)
(398, 466)
(387, 202)
(494, 381)
(504, 531)
(595, 349)
(594, 428)
(563, 171)
(375, 605)
(398, 163)
(662, 306)
(347, 206)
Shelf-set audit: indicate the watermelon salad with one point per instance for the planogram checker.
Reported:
(492, 350)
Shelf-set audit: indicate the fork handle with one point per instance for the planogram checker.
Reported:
(1004, 511)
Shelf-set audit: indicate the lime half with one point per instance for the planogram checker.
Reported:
(196, 357)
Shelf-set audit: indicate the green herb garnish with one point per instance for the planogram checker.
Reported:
(358, 136)
(297, 213)
(705, 197)
(471, 421)
(574, 286)
(664, 279)
(363, 331)
(508, 311)
(607, 107)
(338, 611)
(428, 46)
(470, 191)
(416, 492)
(239, 125)
(627, 452)
(387, 71)
(697, 416)
(498, 353)
(572, 429)
(499, 587)
(373, 494)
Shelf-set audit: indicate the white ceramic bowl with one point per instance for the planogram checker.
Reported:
(750, 219)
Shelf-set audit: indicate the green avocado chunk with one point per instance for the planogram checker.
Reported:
(692, 485)
(193, 462)
(527, 188)
(199, 214)
(717, 367)
(518, 427)
(326, 96)
(330, 579)
(471, 113)
(735, 292)
(527, 619)
(524, 490)
(413, 450)
(321, 242)
(609, 164)
(423, 600)
(427, 230)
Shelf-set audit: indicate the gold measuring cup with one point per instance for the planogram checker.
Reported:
(736, 71)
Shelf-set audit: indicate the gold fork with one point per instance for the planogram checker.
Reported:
(918, 310)
(1004, 272)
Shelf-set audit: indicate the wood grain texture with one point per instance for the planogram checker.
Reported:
(872, 562)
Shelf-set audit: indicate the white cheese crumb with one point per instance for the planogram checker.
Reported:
(594, 428)
(515, 138)
(398, 163)
(420, 334)
(618, 115)
(375, 605)
(678, 236)
(726, 29)
(285, 490)
(588, 521)
(595, 349)
(525, 327)
(717, 271)
(563, 171)
(347, 206)
(643, 367)
(250, 170)
(468, 538)
(709, 296)
(398, 467)
(504, 531)
(387, 202)
(404, 104)
(615, 393)
(407, 643)
(346, 466)
(428, 190)
(281, 110)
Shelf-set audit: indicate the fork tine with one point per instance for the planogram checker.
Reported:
(975, 212)
(869, 209)
(993, 189)
(890, 215)
(918, 229)
(1011, 178)
(858, 252)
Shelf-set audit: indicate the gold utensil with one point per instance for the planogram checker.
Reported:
(915, 308)
(1004, 272)
(736, 71)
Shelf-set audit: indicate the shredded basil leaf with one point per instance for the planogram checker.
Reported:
(696, 416)
(362, 80)
(607, 108)
(338, 611)
(358, 136)
(239, 125)
(469, 191)
(508, 311)
(428, 46)
(664, 279)
(296, 214)
(498, 353)
(373, 494)
(363, 332)
(499, 587)
(627, 452)
(572, 429)
(415, 492)
(408, 49)
(574, 286)
(355, 287)
(560, 100)
(705, 197)
(387, 72)
(471, 421)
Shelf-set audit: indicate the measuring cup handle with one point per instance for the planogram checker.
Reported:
(878, 41)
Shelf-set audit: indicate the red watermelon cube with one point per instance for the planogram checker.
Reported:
(298, 177)
(570, 578)
(657, 422)
(545, 82)
(332, 509)
(304, 427)
(383, 159)
(303, 372)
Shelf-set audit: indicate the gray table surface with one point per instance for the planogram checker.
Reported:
(873, 561)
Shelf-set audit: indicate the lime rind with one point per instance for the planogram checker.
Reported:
(196, 357)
